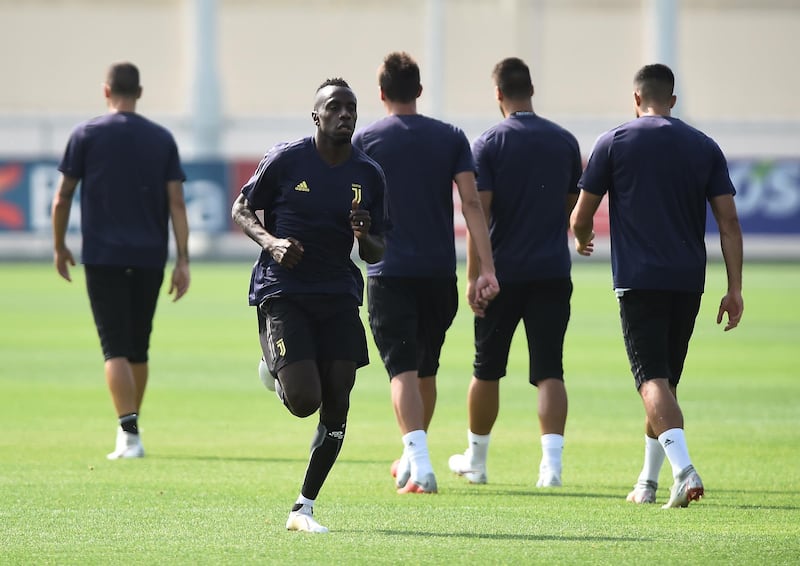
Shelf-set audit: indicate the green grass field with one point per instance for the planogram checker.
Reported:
(225, 459)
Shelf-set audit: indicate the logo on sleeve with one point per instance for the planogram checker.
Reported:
(302, 186)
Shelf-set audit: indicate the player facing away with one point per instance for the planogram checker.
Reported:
(659, 173)
(131, 183)
(412, 292)
(317, 194)
(527, 174)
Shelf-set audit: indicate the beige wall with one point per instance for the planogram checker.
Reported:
(736, 59)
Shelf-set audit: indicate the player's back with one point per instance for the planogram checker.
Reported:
(124, 162)
(530, 164)
(420, 157)
(664, 171)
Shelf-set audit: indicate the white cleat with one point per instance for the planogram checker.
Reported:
(303, 520)
(128, 445)
(401, 471)
(687, 487)
(643, 492)
(462, 465)
(548, 477)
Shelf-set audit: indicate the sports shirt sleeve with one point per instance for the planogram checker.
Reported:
(261, 188)
(577, 169)
(464, 160)
(72, 162)
(174, 169)
(719, 181)
(597, 177)
(484, 170)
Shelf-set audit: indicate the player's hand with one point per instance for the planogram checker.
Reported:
(287, 252)
(475, 302)
(63, 259)
(733, 304)
(360, 220)
(484, 289)
(585, 248)
(180, 279)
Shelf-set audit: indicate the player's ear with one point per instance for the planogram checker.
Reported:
(315, 117)
(672, 100)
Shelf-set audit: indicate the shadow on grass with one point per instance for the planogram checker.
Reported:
(211, 458)
(501, 536)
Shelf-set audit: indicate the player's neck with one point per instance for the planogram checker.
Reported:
(654, 111)
(401, 108)
(331, 152)
(118, 104)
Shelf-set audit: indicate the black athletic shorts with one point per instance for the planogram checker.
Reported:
(293, 328)
(657, 326)
(409, 318)
(544, 308)
(123, 301)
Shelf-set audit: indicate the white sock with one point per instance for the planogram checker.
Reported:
(552, 447)
(305, 501)
(653, 460)
(479, 448)
(674, 443)
(416, 448)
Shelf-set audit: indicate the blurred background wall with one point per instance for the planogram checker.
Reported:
(232, 77)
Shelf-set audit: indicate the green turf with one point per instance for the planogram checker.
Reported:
(225, 459)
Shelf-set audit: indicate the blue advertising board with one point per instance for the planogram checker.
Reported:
(27, 189)
(767, 199)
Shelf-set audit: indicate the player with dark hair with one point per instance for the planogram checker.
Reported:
(412, 292)
(659, 174)
(528, 170)
(317, 193)
(131, 186)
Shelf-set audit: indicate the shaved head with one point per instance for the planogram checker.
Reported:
(655, 83)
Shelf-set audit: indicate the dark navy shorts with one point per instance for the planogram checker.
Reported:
(409, 318)
(544, 309)
(657, 326)
(123, 301)
(322, 328)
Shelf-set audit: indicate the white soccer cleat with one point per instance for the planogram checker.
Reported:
(548, 477)
(687, 487)
(462, 465)
(425, 484)
(643, 492)
(265, 375)
(128, 445)
(303, 520)
(401, 471)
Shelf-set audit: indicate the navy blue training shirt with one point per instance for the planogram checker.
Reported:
(530, 165)
(420, 157)
(124, 162)
(307, 199)
(659, 173)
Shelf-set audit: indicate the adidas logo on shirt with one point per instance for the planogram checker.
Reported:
(302, 186)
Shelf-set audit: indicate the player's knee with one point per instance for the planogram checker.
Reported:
(302, 405)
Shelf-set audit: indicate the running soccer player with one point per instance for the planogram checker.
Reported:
(317, 194)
